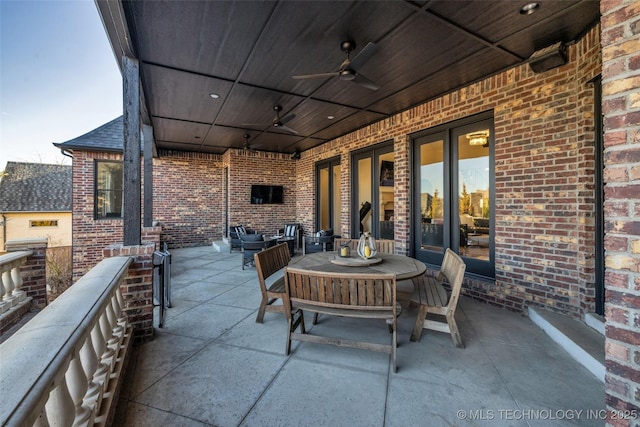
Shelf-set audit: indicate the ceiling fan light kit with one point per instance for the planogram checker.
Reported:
(277, 122)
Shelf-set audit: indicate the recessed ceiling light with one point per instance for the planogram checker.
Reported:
(529, 8)
(330, 117)
(214, 95)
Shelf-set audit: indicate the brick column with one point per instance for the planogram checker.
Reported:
(620, 26)
(137, 288)
(34, 272)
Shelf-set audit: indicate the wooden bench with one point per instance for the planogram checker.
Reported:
(268, 263)
(371, 296)
(434, 299)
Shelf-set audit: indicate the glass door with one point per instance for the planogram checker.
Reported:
(373, 190)
(430, 197)
(453, 193)
(328, 195)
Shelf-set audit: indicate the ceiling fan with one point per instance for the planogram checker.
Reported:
(349, 69)
(246, 145)
(277, 121)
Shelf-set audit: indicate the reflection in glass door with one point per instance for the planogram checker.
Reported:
(385, 196)
(431, 189)
(328, 195)
(364, 196)
(473, 193)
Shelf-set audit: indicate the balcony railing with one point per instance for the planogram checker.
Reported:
(64, 366)
(11, 279)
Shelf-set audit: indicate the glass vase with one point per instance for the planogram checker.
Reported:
(367, 246)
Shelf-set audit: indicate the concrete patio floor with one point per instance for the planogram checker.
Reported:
(212, 364)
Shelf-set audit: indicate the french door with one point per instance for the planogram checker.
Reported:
(373, 192)
(328, 195)
(453, 193)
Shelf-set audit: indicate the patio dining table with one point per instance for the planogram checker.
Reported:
(330, 262)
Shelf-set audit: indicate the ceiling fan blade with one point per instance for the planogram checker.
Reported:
(364, 55)
(287, 118)
(287, 129)
(363, 81)
(315, 76)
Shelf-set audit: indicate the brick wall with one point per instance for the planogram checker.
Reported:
(248, 167)
(90, 237)
(544, 166)
(188, 204)
(188, 198)
(621, 108)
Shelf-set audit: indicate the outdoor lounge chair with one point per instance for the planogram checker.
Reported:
(292, 230)
(252, 244)
(321, 241)
(234, 236)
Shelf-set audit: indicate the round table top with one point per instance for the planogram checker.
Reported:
(404, 266)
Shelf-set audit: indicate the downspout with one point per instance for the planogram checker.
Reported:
(4, 231)
(66, 152)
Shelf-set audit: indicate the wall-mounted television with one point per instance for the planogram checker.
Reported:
(264, 194)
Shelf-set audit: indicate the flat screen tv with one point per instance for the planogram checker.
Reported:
(266, 194)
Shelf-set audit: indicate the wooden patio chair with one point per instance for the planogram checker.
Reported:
(433, 298)
(386, 246)
(269, 262)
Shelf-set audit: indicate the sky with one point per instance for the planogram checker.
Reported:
(59, 78)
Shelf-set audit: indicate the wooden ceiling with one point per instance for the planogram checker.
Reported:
(248, 51)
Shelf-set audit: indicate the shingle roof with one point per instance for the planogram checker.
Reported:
(108, 137)
(35, 187)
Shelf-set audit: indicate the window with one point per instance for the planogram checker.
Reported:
(108, 185)
(43, 223)
(453, 169)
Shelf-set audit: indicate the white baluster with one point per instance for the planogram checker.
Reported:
(107, 331)
(9, 287)
(84, 395)
(90, 365)
(42, 421)
(98, 340)
(88, 358)
(16, 276)
(4, 305)
(109, 355)
(60, 407)
(77, 382)
(101, 374)
(122, 319)
(116, 330)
